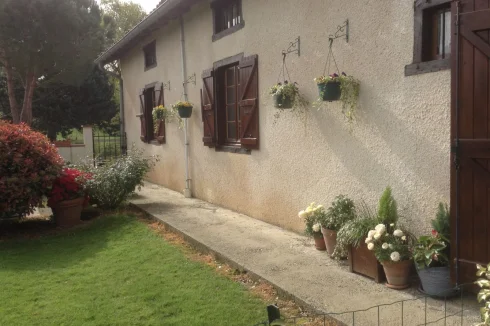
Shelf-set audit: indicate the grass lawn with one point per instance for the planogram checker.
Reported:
(115, 271)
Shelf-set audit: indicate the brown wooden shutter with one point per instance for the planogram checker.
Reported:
(249, 102)
(208, 108)
(158, 98)
(142, 116)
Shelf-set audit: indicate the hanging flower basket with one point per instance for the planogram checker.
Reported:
(184, 108)
(329, 87)
(282, 101)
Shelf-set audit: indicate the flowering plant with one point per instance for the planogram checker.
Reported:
(169, 114)
(286, 90)
(341, 211)
(388, 243)
(70, 185)
(311, 216)
(484, 294)
(183, 104)
(430, 251)
(289, 92)
(329, 79)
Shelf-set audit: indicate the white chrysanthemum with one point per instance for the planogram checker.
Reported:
(395, 256)
(302, 214)
(371, 233)
(370, 246)
(385, 246)
(380, 228)
(398, 233)
(392, 224)
(308, 211)
(319, 206)
(317, 227)
(404, 238)
(377, 235)
(368, 240)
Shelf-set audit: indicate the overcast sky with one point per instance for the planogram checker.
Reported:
(148, 5)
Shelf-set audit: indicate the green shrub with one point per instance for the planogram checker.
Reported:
(387, 209)
(341, 211)
(113, 183)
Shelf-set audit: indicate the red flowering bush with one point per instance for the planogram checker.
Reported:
(70, 185)
(29, 164)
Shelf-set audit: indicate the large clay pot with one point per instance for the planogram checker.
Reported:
(67, 213)
(330, 238)
(319, 241)
(436, 281)
(397, 274)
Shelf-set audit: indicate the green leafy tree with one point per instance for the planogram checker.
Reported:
(387, 208)
(46, 41)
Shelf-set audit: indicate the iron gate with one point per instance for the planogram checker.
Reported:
(108, 147)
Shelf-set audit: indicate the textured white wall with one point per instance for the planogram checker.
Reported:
(400, 137)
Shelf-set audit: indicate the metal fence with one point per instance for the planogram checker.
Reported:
(459, 309)
(108, 147)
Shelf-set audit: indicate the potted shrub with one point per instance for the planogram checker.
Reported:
(29, 164)
(431, 257)
(311, 215)
(68, 196)
(329, 87)
(484, 294)
(184, 109)
(341, 212)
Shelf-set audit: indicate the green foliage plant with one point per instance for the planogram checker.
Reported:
(349, 97)
(484, 294)
(387, 208)
(290, 91)
(442, 222)
(111, 184)
(168, 114)
(342, 211)
(312, 216)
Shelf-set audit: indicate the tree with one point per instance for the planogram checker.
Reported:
(46, 41)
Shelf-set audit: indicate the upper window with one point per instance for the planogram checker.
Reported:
(150, 55)
(227, 17)
(432, 37)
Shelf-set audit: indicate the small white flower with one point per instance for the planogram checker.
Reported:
(302, 214)
(377, 236)
(368, 240)
(319, 206)
(380, 228)
(317, 227)
(308, 211)
(392, 224)
(398, 233)
(370, 246)
(404, 238)
(371, 233)
(385, 246)
(395, 256)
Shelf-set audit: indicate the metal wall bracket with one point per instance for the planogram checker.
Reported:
(191, 79)
(294, 46)
(167, 86)
(342, 31)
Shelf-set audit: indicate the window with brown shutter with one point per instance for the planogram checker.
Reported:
(227, 17)
(432, 37)
(230, 104)
(150, 97)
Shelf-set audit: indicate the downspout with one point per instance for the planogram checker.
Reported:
(187, 190)
(122, 128)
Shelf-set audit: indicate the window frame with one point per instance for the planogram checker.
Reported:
(149, 89)
(153, 48)
(420, 46)
(217, 9)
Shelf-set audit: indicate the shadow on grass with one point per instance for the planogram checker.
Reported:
(63, 248)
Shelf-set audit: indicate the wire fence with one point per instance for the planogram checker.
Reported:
(457, 309)
(108, 147)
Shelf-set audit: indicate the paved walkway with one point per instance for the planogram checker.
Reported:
(290, 262)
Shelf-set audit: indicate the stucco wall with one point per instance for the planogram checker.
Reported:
(400, 137)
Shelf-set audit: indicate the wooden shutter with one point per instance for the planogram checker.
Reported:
(142, 116)
(249, 102)
(208, 108)
(159, 100)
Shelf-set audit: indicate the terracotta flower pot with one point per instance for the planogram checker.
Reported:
(319, 241)
(67, 213)
(397, 273)
(330, 238)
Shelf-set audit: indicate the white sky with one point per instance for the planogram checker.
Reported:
(148, 5)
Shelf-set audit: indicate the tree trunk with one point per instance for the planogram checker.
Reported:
(26, 114)
(14, 106)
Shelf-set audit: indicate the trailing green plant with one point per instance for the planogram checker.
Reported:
(442, 222)
(111, 184)
(289, 91)
(349, 97)
(484, 294)
(341, 211)
(387, 208)
(312, 216)
(169, 114)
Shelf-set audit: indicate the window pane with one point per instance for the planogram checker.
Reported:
(231, 112)
(447, 33)
(230, 76)
(235, 14)
(232, 130)
(230, 95)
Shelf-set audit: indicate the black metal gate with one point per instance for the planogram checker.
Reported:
(108, 147)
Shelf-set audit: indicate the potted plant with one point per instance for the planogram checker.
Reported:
(184, 108)
(311, 216)
(160, 114)
(329, 87)
(431, 257)
(484, 294)
(68, 196)
(341, 212)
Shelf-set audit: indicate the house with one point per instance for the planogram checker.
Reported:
(421, 126)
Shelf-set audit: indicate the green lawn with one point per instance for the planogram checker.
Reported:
(115, 271)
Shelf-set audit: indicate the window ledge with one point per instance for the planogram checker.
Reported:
(154, 142)
(150, 67)
(233, 149)
(428, 66)
(228, 31)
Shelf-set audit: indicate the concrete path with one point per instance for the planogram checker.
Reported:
(290, 262)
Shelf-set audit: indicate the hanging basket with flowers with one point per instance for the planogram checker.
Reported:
(184, 108)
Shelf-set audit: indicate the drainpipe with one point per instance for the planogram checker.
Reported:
(121, 97)
(187, 190)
